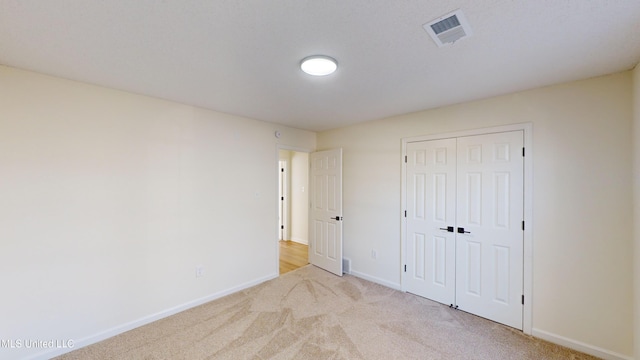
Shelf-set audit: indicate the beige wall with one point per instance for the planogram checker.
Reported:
(109, 201)
(300, 197)
(582, 223)
(636, 217)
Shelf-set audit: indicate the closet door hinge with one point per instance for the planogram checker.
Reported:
(522, 152)
(405, 213)
(522, 225)
(405, 159)
(405, 268)
(522, 299)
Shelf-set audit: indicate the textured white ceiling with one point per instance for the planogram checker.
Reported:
(242, 57)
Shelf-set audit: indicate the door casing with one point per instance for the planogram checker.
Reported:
(527, 129)
(283, 200)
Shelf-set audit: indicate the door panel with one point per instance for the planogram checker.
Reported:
(490, 207)
(473, 198)
(325, 234)
(430, 208)
(472, 260)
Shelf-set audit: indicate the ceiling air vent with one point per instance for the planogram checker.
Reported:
(449, 28)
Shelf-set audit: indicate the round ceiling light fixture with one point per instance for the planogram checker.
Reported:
(319, 65)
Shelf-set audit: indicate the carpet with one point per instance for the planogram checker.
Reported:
(312, 314)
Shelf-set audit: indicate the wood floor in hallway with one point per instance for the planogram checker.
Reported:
(293, 255)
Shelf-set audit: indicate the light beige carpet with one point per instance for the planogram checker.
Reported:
(312, 314)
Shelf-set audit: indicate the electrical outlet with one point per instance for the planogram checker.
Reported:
(374, 254)
(199, 271)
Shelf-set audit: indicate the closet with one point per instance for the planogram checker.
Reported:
(464, 223)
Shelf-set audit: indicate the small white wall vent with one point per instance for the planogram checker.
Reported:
(346, 266)
(449, 28)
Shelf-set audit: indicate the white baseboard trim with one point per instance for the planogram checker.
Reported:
(376, 280)
(578, 345)
(92, 339)
(300, 240)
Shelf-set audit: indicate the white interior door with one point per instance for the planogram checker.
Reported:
(490, 211)
(464, 236)
(431, 191)
(325, 230)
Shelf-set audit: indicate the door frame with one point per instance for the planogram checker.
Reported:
(283, 193)
(276, 168)
(527, 128)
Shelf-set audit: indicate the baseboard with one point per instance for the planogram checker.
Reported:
(92, 339)
(376, 280)
(300, 240)
(578, 345)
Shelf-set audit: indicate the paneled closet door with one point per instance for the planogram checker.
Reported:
(464, 236)
(489, 234)
(431, 183)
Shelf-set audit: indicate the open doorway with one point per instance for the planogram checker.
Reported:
(293, 209)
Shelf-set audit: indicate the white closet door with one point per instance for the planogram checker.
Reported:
(431, 182)
(489, 253)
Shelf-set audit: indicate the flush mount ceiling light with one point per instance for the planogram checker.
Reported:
(319, 65)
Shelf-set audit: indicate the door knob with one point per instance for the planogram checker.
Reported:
(461, 231)
(338, 218)
(448, 228)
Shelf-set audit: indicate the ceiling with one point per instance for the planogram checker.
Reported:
(242, 57)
